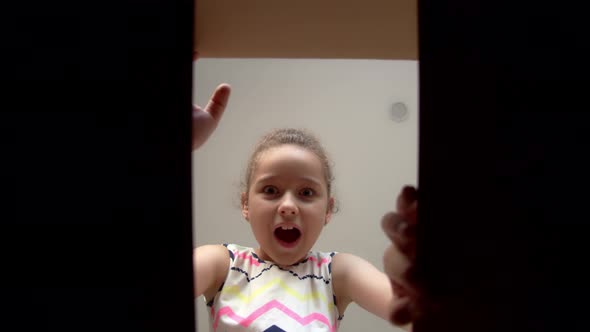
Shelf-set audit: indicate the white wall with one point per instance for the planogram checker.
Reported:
(346, 104)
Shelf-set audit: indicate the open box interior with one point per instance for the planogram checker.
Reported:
(337, 29)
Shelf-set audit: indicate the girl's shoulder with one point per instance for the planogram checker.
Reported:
(347, 263)
(346, 266)
(214, 256)
(233, 247)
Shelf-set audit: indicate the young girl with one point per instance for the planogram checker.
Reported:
(282, 285)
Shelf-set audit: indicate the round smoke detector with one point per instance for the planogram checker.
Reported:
(399, 112)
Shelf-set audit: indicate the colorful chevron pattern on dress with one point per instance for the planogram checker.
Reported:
(274, 304)
(319, 262)
(251, 258)
(259, 295)
(291, 272)
(262, 289)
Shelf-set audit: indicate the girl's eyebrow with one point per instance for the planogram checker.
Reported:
(269, 177)
(312, 180)
(265, 178)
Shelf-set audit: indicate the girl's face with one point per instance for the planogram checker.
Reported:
(287, 203)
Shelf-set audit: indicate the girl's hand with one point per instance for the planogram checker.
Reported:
(399, 257)
(205, 120)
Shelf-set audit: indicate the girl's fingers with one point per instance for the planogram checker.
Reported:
(218, 101)
(407, 202)
(403, 311)
(401, 233)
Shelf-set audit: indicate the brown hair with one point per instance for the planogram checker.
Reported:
(298, 137)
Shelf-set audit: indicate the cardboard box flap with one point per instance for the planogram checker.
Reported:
(368, 29)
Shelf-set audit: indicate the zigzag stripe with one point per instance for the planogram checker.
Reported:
(235, 291)
(254, 260)
(244, 255)
(294, 274)
(323, 261)
(274, 304)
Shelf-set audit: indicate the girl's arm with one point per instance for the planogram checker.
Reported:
(357, 280)
(211, 263)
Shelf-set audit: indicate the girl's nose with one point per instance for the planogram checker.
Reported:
(288, 207)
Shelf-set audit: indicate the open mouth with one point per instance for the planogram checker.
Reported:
(287, 236)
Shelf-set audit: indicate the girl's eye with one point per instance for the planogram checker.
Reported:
(270, 190)
(307, 192)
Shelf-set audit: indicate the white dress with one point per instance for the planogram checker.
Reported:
(261, 296)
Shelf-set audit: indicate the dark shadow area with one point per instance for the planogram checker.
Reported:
(96, 217)
(502, 149)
